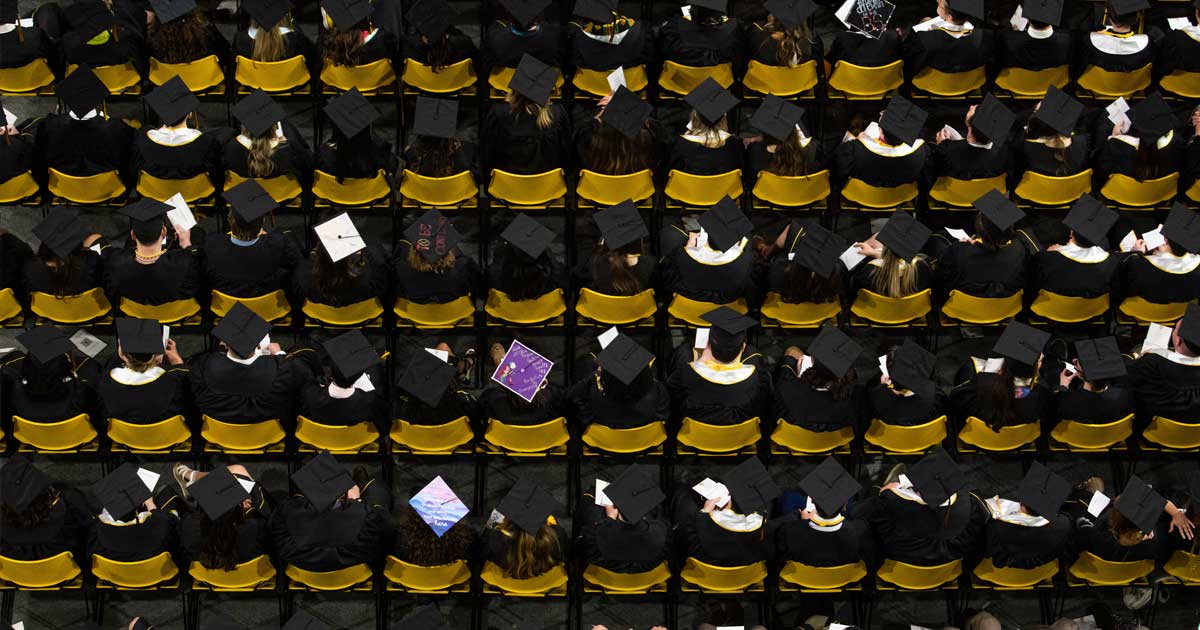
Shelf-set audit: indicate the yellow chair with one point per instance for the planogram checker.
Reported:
(799, 191)
(352, 191)
(782, 81)
(446, 315)
(357, 314)
(1108, 84)
(120, 78)
(610, 190)
(980, 311)
(10, 308)
(977, 433)
(1096, 571)
(248, 576)
(540, 310)
(949, 84)
(796, 440)
(1049, 190)
(1144, 311)
(894, 439)
(169, 313)
(271, 307)
(199, 76)
(690, 311)
(248, 438)
(1182, 84)
(710, 578)
(537, 190)
(700, 438)
(156, 437)
(648, 437)
(192, 189)
(1068, 309)
(29, 78)
(362, 437)
(1185, 566)
(599, 579)
(863, 196)
(616, 310)
(681, 79)
(913, 577)
(437, 439)
(56, 572)
(1021, 83)
(284, 189)
(1193, 192)
(370, 78)
(552, 582)
(18, 188)
(456, 77)
(810, 578)
(151, 573)
(87, 190)
(71, 309)
(1010, 578)
(870, 83)
(1170, 434)
(439, 192)
(1083, 437)
(881, 310)
(595, 82)
(962, 193)
(501, 76)
(1128, 192)
(70, 435)
(354, 577)
(696, 191)
(438, 579)
(546, 438)
(800, 314)
(286, 76)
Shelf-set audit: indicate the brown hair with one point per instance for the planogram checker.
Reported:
(610, 152)
(439, 266)
(242, 230)
(794, 45)
(541, 111)
(433, 157)
(425, 548)
(259, 162)
(181, 40)
(529, 556)
(268, 44)
(711, 133)
(622, 279)
(342, 48)
(790, 158)
(1123, 529)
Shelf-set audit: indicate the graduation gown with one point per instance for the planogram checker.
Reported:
(1074, 271)
(1039, 158)
(731, 542)
(878, 164)
(1025, 546)
(598, 52)
(1167, 386)
(946, 50)
(372, 282)
(591, 405)
(721, 394)
(199, 156)
(175, 275)
(65, 529)
(1093, 535)
(801, 541)
(1177, 50)
(1116, 52)
(892, 408)
(1033, 50)
(499, 403)
(427, 287)
(290, 158)
(84, 147)
(318, 405)
(1029, 408)
(118, 50)
(353, 533)
(504, 46)
(553, 275)
(1161, 278)
(458, 47)
(161, 397)
(620, 546)
(697, 159)
(517, 145)
(861, 50)
(86, 275)
(495, 545)
(959, 159)
(1118, 155)
(379, 158)
(134, 541)
(15, 53)
(250, 270)
(13, 254)
(16, 156)
(911, 531)
(800, 404)
(981, 272)
(1081, 405)
(688, 43)
(704, 276)
(76, 397)
(232, 392)
(253, 536)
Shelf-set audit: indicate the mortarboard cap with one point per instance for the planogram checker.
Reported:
(304, 621)
(1043, 491)
(971, 8)
(435, 117)
(351, 112)
(340, 237)
(242, 330)
(777, 118)
(904, 235)
(525, 11)
(720, 6)
(1189, 326)
(911, 366)
(533, 79)
(1059, 110)
(1141, 504)
(998, 209)
(258, 113)
(438, 506)
(903, 119)
(139, 336)
(427, 377)
(170, 10)
(267, 12)
(82, 91)
(1047, 11)
(834, 350)
(635, 492)
(1152, 117)
(345, 14)
(596, 11)
(426, 617)
(433, 235)
(61, 231)
(624, 358)
(1100, 358)
(1091, 219)
(218, 492)
(993, 119)
(729, 320)
(1125, 7)
(90, 18)
(46, 343)
(121, 491)
(816, 248)
(351, 354)
(1182, 226)
(528, 235)
(21, 482)
(172, 101)
(621, 225)
(322, 481)
(711, 101)
(830, 486)
(626, 112)
(145, 210)
(791, 13)
(528, 505)
(751, 486)
(725, 224)
(431, 17)
(250, 201)
(1021, 342)
(936, 477)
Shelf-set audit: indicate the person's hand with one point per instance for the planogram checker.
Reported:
(746, 142)
(869, 249)
(172, 353)
(890, 486)
(693, 239)
(884, 379)
(604, 101)
(1118, 129)
(1053, 248)
(1139, 246)
(353, 493)
(710, 505)
(1196, 123)
(612, 512)
(149, 505)
(1065, 377)
(183, 236)
(806, 515)
(1181, 522)
(10, 130)
(274, 348)
(940, 136)
(91, 239)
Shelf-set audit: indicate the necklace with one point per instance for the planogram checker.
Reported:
(146, 259)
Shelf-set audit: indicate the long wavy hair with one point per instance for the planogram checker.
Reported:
(794, 45)
(994, 401)
(1123, 529)
(219, 540)
(610, 152)
(269, 44)
(63, 271)
(260, 157)
(526, 277)
(343, 47)
(36, 514)
(895, 277)
(541, 112)
(335, 278)
(529, 555)
(1051, 139)
(426, 548)
(802, 285)
(439, 266)
(181, 40)
(433, 157)
(438, 51)
(790, 158)
(621, 277)
(710, 133)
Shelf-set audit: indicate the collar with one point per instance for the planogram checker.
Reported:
(870, 141)
(107, 519)
(986, 147)
(1010, 512)
(126, 376)
(252, 359)
(604, 38)
(722, 374)
(906, 491)
(1134, 141)
(240, 243)
(12, 26)
(1118, 43)
(88, 116)
(1175, 357)
(1045, 33)
(706, 255)
(253, 31)
(820, 524)
(1079, 254)
(173, 137)
(729, 520)
(1171, 263)
(363, 383)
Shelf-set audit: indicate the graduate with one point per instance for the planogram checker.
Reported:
(1029, 531)
(1180, 48)
(79, 139)
(526, 133)
(859, 48)
(984, 152)
(348, 384)
(146, 271)
(621, 138)
(1130, 527)
(888, 153)
(785, 147)
(1094, 390)
(950, 42)
(132, 522)
(724, 382)
(1037, 46)
(349, 36)
(1148, 149)
(429, 389)
(65, 264)
(1166, 381)
(99, 37)
(706, 147)
(252, 260)
(145, 381)
(1083, 266)
(526, 540)
(702, 34)
(435, 148)
(784, 39)
(354, 151)
(821, 533)
(505, 405)
(335, 275)
(1117, 46)
(624, 530)
(524, 268)
(804, 265)
(13, 254)
(1005, 390)
(177, 148)
(620, 264)
(714, 265)
(1051, 146)
(428, 267)
(728, 530)
(1170, 272)
(995, 262)
(433, 40)
(179, 32)
(17, 148)
(269, 145)
(432, 528)
(520, 29)
(227, 525)
(51, 381)
(271, 36)
(819, 390)
(603, 39)
(621, 392)
(896, 267)
(906, 393)
(40, 518)
(22, 41)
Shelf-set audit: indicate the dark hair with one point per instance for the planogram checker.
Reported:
(888, 138)
(1149, 161)
(48, 380)
(1122, 19)
(982, 137)
(181, 40)
(432, 157)
(33, 516)
(790, 158)
(336, 278)
(244, 230)
(147, 232)
(1041, 26)
(63, 271)
(994, 403)
(525, 278)
(219, 539)
(790, 43)
(725, 346)
(802, 285)
(352, 154)
(706, 17)
(610, 152)
(1082, 240)
(343, 47)
(425, 548)
(529, 555)
(438, 52)
(621, 278)
(991, 237)
(820, 377)
(611, 386)
(1037, 128)
(955, 16)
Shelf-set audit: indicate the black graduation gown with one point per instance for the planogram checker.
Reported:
(1057, 273)
(118, 50)
(503, 46)
(201, 156)
(981, 272)
(620, 546)
(317, 405)
(699, 398)
(1092, 534)
(291, 158)
(553, 274)
(328, 540)
(696, 159)
(251, 270)
(372, 283)
(427, 287)
(458, 47)
(253, 538)
(1089, 55)
(84, 147)
(134, 541)
(162, 398)
(1178, 50)
(1143, 278)
(916, 533)
(517, 145)
(1081, 405)
(499, 403)
(635, 49)
(88, 274)
(890, 408)
(1039, 158)
(174, 276)
(855, 159)
(77, 396)
(759, 159)
(16, 156)
(796, 540)
(685, 42)
(1029, 408)
(13, 254)
(232, 392)
(466, 158)
(799, 404)
(65, 529)
(1020, 50)
(593, 406)
(1165, 388)
(959, 159)
(1117, 156)
(703, 539)
(495, 546)
(860, 50)
(379, 158)
(15, 53)
(1024, 547)
(719, 284)
(937, 49)
(595, 274)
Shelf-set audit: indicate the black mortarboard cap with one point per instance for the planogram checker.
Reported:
(1152, 117)
(242, 330)
(777, 118)
(830, 486)
(911, 366)
(834, 350)
(751, 486)
(435, 117)
(21, 482)
(426, 617)
(9, 11)
(431, 17)
(1125, 7)
(596, 11)
(218, 492)
(720, 6)
(791, 13)
(725, 224)
(528, 235)
(121, 491)
(1048, 11)
(172, 101)
(904, 235)
(533, 79)
(351, 112)
(528, 504)
(304, 621)
(1059, 110)
(621, 225)
(999, 209)
(624, 358)
(816, 248)
(729, 320)
(936, 476)
(267, 12)
(710, 100)
(169, 10)
(1189, 326)
(351, 354)
(626, 112)
(347, 13)
(1090, 219)
(82, 91)
(525, 11)
(90, 18)
(433, 235)
(1141, 504)
(903, 119)
(322, 480)
(971, 8)
(1182, 226)
(993, 119)
(139, 336)
(249, 200)
(1043, 491)
(61, 231)
(145, 209)
(258, 112)
(635, 492)
(427, 377)
(1100, 358)
(1021, 342)
(46, 343)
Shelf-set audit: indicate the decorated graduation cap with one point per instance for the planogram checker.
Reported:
(218, 492)
(971, 8)
(911, 366)
(121, 491)
(351, 354)
(904, 235)
(267, 12)
(171, 10)
(45, 343)
(533, 79)
(1100, 358)
(81, 91)
(1090, 219)
(433, 235)
(525, 11)
(139, 336)
(751, 486)
(304, 621)
(1182, 226)
(936, 477)
(777, 118)
(431, 17)
(322, 481)
(351, 112)
(435, 117)
(146, 210)
(903, 119)
(1141, 504)
(528, 236)
(816, 248)
(626, 112)
(347, 13)
(340, 237)
(834, 350)
(999, 209)
(438, 506)
(258, 112)
(61, 231)
(624, 358)
(21, 483)
(1189, 326)
(830, 486)
(596, 11)
(427, 377)
(993, 119)
(790, 13)
(1059, 110)
(729, 320)
(635, 492)
(528, 504)
(1047, 11)
(1021, 342)
(1152, 117)
(424, 617)
(242, 330)
(711, 101)
(621, 225)
(1125, 7)
(172, 101)
(250, 201)
(1043, 491)
(720, 6)
(725, 224)
(90, 18)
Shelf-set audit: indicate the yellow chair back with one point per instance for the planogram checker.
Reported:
(866, 82)
(118, 78)
(446, 315)
(17, 188)
(63, 435)
(339, 440)
(245, 577)
(501, 76)
(539, 189)
(813, 578)
(168, 313)
(30, 77)
(890, 311)
(192, 189)
(977, 433)
(1182, 83)
(437, 439)
(1193, 191)
(527, 439)
(1032, 84)
(1013, 578)
(962, 193)
(1100, 572)
(369, 78)
(715, 579)
(70, 309)
(282, 188)
(1126, 191)
(801, 314)
(625, 441)
(792, 192)
(1081, 436)
(682, 79)
(149, 438)
(452, 78)
(288, 75)
(615, 583)
(271, 307)
(440, 578)
(782, 81)
(797, 439)
(616, 310)
(338, 580)
(1185, 566)
(9, 306)
(690, 311)
(141, 574)
(38, 574)
(1050, 190)
(870, 197)
(981, 311)
(610, 190)
(350, 315)
(87, 190)
(439, 192)
(595, 82)
(917, 438)
(254, 437)
(525, 312)
(353, 191)
(552, 581)
(702, 190)
(1146, 311)
(1068, 309)
(1172, 434)
(949, 84)
(1111, 84)
(718, 438)
(914, 577)
(199, 76)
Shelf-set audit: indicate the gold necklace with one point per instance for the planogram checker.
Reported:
(147, 259)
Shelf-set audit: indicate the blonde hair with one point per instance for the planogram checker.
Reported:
(439, 266)
(896, 277)
(711, 133)
(529, 555)
(268, 43)
(540, 111)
